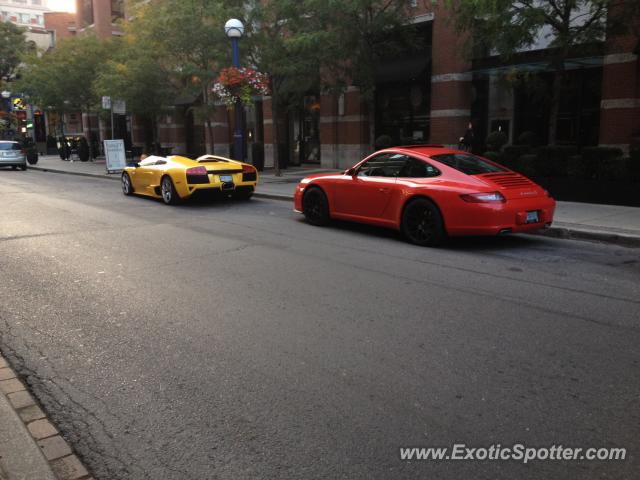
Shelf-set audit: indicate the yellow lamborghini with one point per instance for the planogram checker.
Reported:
(177, 178)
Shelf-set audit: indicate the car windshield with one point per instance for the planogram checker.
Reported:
(467, 163)
(9, 146)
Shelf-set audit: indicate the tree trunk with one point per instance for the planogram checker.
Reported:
(371, 110)
(155, 134)
(275, 111)
(208, 122)
(556, 92)
(211, 144)
(88, 135)
(148, 134)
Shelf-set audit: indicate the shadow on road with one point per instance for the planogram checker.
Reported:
(476, 243)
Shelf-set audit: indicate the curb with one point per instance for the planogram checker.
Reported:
(271, 196)
(274, 196)
(48, 450)
(565, 233)
(78, 174)
(590, 235)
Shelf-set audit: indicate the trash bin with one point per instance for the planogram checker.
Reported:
(32, 156)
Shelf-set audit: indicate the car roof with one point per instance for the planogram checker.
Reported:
(8, 141)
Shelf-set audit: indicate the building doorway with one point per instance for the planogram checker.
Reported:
(194, 136)
(304, 128)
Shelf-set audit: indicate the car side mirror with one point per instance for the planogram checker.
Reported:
(350, 171)
(137, 164)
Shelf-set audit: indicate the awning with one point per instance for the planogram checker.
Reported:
(539, 66)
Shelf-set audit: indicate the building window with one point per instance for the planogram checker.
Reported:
(86, 9)
(25, 18)
(20, 1)
(117, 9)
(36, 2)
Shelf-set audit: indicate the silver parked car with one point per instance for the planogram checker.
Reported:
(12, 155)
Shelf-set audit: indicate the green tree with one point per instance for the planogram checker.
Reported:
(361, 34)
(13, 45)
(365, 34)
(190, 36)
(508, 27)
(134, 73)
(323, 45)
(284, 42)
(63, 78)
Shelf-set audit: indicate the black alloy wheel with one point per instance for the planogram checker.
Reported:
(422, 223)
(315, 206)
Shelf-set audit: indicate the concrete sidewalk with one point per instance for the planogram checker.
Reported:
(30, 446)
(609, 223)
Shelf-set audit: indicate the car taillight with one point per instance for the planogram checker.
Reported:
(490, 197)
(249, 173)
(197, 171)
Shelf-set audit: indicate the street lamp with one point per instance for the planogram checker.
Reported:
(6, 95)
(234, 29)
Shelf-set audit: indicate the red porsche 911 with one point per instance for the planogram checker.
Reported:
(428, 192)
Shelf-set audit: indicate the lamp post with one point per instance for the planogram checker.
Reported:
(234, 29)
(6, 97)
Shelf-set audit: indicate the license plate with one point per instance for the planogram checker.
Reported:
(226, 178)
(532, 217)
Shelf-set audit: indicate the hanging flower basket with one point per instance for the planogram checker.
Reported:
(242, 84)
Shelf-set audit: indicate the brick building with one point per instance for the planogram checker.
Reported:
(28, 14)
(429, 96)
(440, 92)
(60, 25)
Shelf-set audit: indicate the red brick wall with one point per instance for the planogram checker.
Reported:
(102, 25)
(62, 23)
(450, 82)
(620, 106)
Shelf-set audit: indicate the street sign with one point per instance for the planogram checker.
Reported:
(119, 107)
(106, 103)
(115, 155)
(19, 104)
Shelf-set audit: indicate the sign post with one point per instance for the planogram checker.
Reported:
(115, 155)
(106, 104)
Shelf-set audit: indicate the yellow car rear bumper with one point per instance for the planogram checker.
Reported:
(216, 185)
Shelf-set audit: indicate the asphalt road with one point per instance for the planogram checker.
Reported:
(226, 340)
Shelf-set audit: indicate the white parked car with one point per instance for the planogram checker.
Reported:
(12, 155)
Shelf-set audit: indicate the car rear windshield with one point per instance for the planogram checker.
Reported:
(9, 146)
(467, 163)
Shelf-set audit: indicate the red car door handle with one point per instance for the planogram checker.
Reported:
(383, 190)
